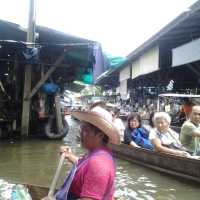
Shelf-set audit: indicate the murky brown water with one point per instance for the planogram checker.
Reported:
(35, 162)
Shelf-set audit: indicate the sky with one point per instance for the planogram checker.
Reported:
(119, 25)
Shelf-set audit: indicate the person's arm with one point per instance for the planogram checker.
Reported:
(128, 140)
(69, 154)
(190, 129)
(133, 144)
(196, 132)
(160, 148)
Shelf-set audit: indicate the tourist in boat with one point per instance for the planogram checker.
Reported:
(135, 134)
(164, 138)
(190, 131)
(118, 122)
(150, 125)
(93, 175)
(186, 107)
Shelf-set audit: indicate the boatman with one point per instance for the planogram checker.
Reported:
(190, 131)
(92, 176)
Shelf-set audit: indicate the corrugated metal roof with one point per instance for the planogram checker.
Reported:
(12, 31)
(190, 15)
(183, 27)
(78, 61)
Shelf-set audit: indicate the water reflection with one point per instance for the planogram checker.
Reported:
(137, 182)
(35, 162)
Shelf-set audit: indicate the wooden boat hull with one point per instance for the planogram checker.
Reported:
(174, 165)
(37, 192)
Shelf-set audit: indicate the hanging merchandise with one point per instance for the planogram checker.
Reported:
(50, 88)
(88, 78)
(31, 54)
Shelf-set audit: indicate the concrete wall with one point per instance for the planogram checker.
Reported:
(147, 63)
(186, 53)
(124, 74)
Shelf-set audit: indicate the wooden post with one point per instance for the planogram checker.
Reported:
(28, 72)
(59, 122)
(26, 102)
(46, 76)
(42, 70)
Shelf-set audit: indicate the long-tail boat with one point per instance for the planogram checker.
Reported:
(187, 168)
(37, 192)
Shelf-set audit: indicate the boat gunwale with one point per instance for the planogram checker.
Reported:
(132, 156)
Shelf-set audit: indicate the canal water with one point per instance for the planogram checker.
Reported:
(35, 161)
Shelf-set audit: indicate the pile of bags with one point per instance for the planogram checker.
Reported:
(10, 191)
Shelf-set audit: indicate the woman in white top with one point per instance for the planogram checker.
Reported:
(118, 123)
(164, 138)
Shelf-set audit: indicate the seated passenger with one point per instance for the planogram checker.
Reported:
(164, 138)
(136, 135)
(118, 123)
(149, 126)
(186, 107)
(190, 131)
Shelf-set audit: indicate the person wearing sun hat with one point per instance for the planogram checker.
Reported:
(92, 176)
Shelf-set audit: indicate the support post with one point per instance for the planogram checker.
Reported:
(58, 115)
(28, 72)
(46, 76)
(26, 102)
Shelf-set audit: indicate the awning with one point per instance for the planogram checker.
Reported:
(179, 95)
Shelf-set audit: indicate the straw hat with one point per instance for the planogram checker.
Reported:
(102, 119)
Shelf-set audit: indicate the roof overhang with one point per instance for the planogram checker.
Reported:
(183, 28)
(179, 95)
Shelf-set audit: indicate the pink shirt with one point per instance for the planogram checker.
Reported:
(95, 178)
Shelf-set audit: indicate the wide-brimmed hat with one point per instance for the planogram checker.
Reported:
(102, 119)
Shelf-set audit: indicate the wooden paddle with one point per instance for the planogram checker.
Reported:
(50, 195)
